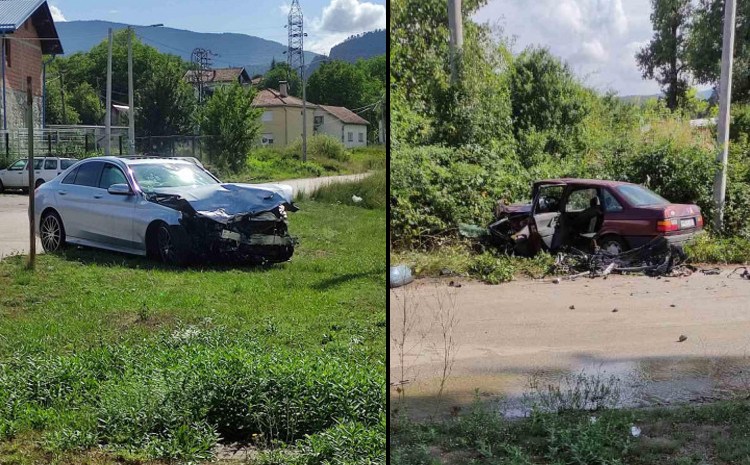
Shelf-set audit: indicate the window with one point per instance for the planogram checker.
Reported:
(111, 175)
(88, 174)
(65, 164)
(50, 164)
(71, 177)
(610, 202)
(38, 163)
(549, 199)
(266, 139)
(580, 199)
(152, 176)
(361, 137)
(350, 138)
(639, 196)
(17, 166)
(267, 116)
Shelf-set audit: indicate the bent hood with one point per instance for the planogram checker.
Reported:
(223, 202)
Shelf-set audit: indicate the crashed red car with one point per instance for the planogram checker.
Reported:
(614, 216)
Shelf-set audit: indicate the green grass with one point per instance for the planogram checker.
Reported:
(267, 164)
(372, 191)
(713, 433)
(151, 362)
(721, 250)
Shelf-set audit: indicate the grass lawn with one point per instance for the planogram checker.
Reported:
(107, 357)
(716, 433)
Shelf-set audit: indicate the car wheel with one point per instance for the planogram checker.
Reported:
(52, 232)
(613, 245)
(39, 182)
(170, 245)
(2, 188)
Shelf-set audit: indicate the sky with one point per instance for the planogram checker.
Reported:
(598, 38)
(327, 22)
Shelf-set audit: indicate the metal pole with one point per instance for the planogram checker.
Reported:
(5, 111)
(131, 108)
(725, 89)
(30, 166)
(62, 96)
(455, 24)
(108, 115)
(304, 116)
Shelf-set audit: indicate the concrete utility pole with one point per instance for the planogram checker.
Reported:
(30, 166)
(108, 114)
(456, 26)
(725, 89)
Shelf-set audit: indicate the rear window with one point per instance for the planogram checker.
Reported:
(50, 164)
(639, 196)
(65, 164)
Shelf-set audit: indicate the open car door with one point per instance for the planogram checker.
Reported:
(545, 214)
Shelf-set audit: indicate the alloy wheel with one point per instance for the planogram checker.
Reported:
(51, 232)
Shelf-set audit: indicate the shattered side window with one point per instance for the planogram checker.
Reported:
(610, 202)
(580, 199)
(549, 199)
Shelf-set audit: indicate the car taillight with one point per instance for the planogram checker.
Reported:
(699, 221)
(667, 225)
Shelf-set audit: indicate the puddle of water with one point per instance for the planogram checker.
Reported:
(629, 383)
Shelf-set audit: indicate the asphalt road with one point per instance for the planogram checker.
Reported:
(14, 218)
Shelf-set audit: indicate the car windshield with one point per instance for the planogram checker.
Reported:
(152, 176)
(639, 196)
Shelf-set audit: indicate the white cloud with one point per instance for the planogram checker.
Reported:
(284, 8)
(351, 16)
(57, 15)
(322, 43)
(593, 51)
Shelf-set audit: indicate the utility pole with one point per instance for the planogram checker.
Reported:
(30, 167)
(108, 114)
(62, 96)
(725, 97)
(131, 108)
(295, 56)
(456, 26)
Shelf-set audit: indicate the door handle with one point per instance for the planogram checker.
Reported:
(98, 196)
(61, 193)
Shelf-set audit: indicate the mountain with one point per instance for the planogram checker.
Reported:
(254, 53)
(366, 45)
(704, 94)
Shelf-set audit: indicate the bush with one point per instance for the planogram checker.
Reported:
(321, 148)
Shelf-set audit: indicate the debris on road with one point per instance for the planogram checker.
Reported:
(656, 258)
(745, 273)
(400, 276)
(711, 271)
(682, 338)
(614, 310)
(572, 307)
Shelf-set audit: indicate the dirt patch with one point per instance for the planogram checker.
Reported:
(508, 332)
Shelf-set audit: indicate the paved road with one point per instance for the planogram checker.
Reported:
(14, 219)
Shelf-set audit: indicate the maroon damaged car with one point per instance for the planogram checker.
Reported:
(615, 216)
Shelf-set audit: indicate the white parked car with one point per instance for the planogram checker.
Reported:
(16, 176)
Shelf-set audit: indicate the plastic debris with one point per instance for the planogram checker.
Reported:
(400, 276)
(635, 431)
(356, 199)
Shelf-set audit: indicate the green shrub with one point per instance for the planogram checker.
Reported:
(707, 248)
(371, 189)
(320, 147)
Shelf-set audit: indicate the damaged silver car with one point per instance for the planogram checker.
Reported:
(166, 208)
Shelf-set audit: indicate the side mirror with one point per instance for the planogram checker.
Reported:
(120, 189)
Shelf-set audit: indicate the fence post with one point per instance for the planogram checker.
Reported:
(7, 146)
(119, 139)
(86, 143)
(49, 143)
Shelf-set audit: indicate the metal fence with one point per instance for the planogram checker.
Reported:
(86, 141)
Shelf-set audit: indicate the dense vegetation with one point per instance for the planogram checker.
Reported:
(459, 147)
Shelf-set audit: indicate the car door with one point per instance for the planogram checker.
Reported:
(13, 176)
(113, 221)
(545, 213)
(75, 200)
(38, 163)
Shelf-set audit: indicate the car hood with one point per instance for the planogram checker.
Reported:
(224, 202)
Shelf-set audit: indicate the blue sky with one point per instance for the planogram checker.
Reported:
(327, 22)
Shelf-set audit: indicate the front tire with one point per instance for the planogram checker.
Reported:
(170, 245)
(2, 188)
(52, 232)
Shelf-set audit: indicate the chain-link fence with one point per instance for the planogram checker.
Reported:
(174, 146)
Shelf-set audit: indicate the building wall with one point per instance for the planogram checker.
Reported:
(285, 125)
(357, 130)
(25, 60)
(335, 128)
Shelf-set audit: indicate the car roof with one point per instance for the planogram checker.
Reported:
(139, 160)
(586, 182)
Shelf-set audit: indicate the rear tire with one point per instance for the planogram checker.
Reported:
(613, 244)
(2, 188)
(52, 232)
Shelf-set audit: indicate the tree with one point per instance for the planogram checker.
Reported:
(337, 83)
(705, 42)
(165, 103)
(282, 72)
(84, 99)
(233, 124)
(53, 105)
(665, 56)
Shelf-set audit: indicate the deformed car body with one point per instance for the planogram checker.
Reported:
(615, 216)
(168, 208)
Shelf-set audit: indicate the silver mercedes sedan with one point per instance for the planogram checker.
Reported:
(167, 208)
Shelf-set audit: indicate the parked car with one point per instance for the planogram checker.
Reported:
(615, 216)
(167, 208)
(16, 175)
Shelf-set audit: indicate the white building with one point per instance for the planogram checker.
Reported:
(342, 123)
